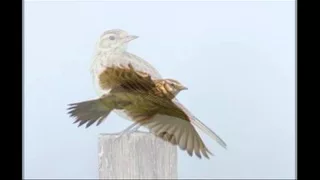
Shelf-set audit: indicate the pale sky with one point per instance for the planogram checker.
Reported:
(236, 57)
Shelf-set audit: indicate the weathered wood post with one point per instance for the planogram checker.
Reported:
(139, 155)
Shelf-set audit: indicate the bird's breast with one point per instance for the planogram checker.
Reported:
(101, 61)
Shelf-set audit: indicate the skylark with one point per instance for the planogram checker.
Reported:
(148, 102)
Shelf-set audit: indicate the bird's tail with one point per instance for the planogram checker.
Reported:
(90, 111)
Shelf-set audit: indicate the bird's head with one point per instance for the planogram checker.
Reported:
(114, 40)
(173, 86)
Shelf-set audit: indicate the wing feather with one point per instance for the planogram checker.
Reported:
(125, 77)
(196, 122)
(178, 132)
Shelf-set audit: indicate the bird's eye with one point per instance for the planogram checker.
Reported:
(112, 38)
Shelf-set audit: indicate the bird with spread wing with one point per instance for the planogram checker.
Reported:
(111, 53)
(148, 102)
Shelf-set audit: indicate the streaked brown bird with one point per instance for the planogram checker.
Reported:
(148, 102)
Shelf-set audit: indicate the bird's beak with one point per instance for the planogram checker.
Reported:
(130, 38)
(183, 88)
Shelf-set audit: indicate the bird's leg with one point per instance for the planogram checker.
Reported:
(135, 129)
(130, 129)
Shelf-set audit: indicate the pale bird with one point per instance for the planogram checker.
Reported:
(111, 51)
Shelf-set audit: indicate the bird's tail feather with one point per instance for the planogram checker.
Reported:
(89, 112)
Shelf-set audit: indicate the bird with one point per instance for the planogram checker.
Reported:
(111, 51)
(149, 104)
(126, 79)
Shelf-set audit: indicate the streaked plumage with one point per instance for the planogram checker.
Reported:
(148, 103)
(131, 80)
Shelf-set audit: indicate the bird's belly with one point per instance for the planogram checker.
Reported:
(96, 70)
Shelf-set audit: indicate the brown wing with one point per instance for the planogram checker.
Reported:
(178, 132)
(126, 78)
(167, 121)
(197, 123)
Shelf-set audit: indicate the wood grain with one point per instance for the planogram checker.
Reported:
(138, 155)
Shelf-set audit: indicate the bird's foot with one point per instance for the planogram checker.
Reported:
(128, 131)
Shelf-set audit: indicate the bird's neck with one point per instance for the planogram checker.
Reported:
(113, 50)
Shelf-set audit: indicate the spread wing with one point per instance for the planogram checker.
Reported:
(143, 66)
(196, 122)
(128, 79)
(167, 121)
(125, 78)
(178, 132)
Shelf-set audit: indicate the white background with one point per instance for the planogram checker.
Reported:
(236, 57)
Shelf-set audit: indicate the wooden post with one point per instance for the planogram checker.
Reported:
(139, 155)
